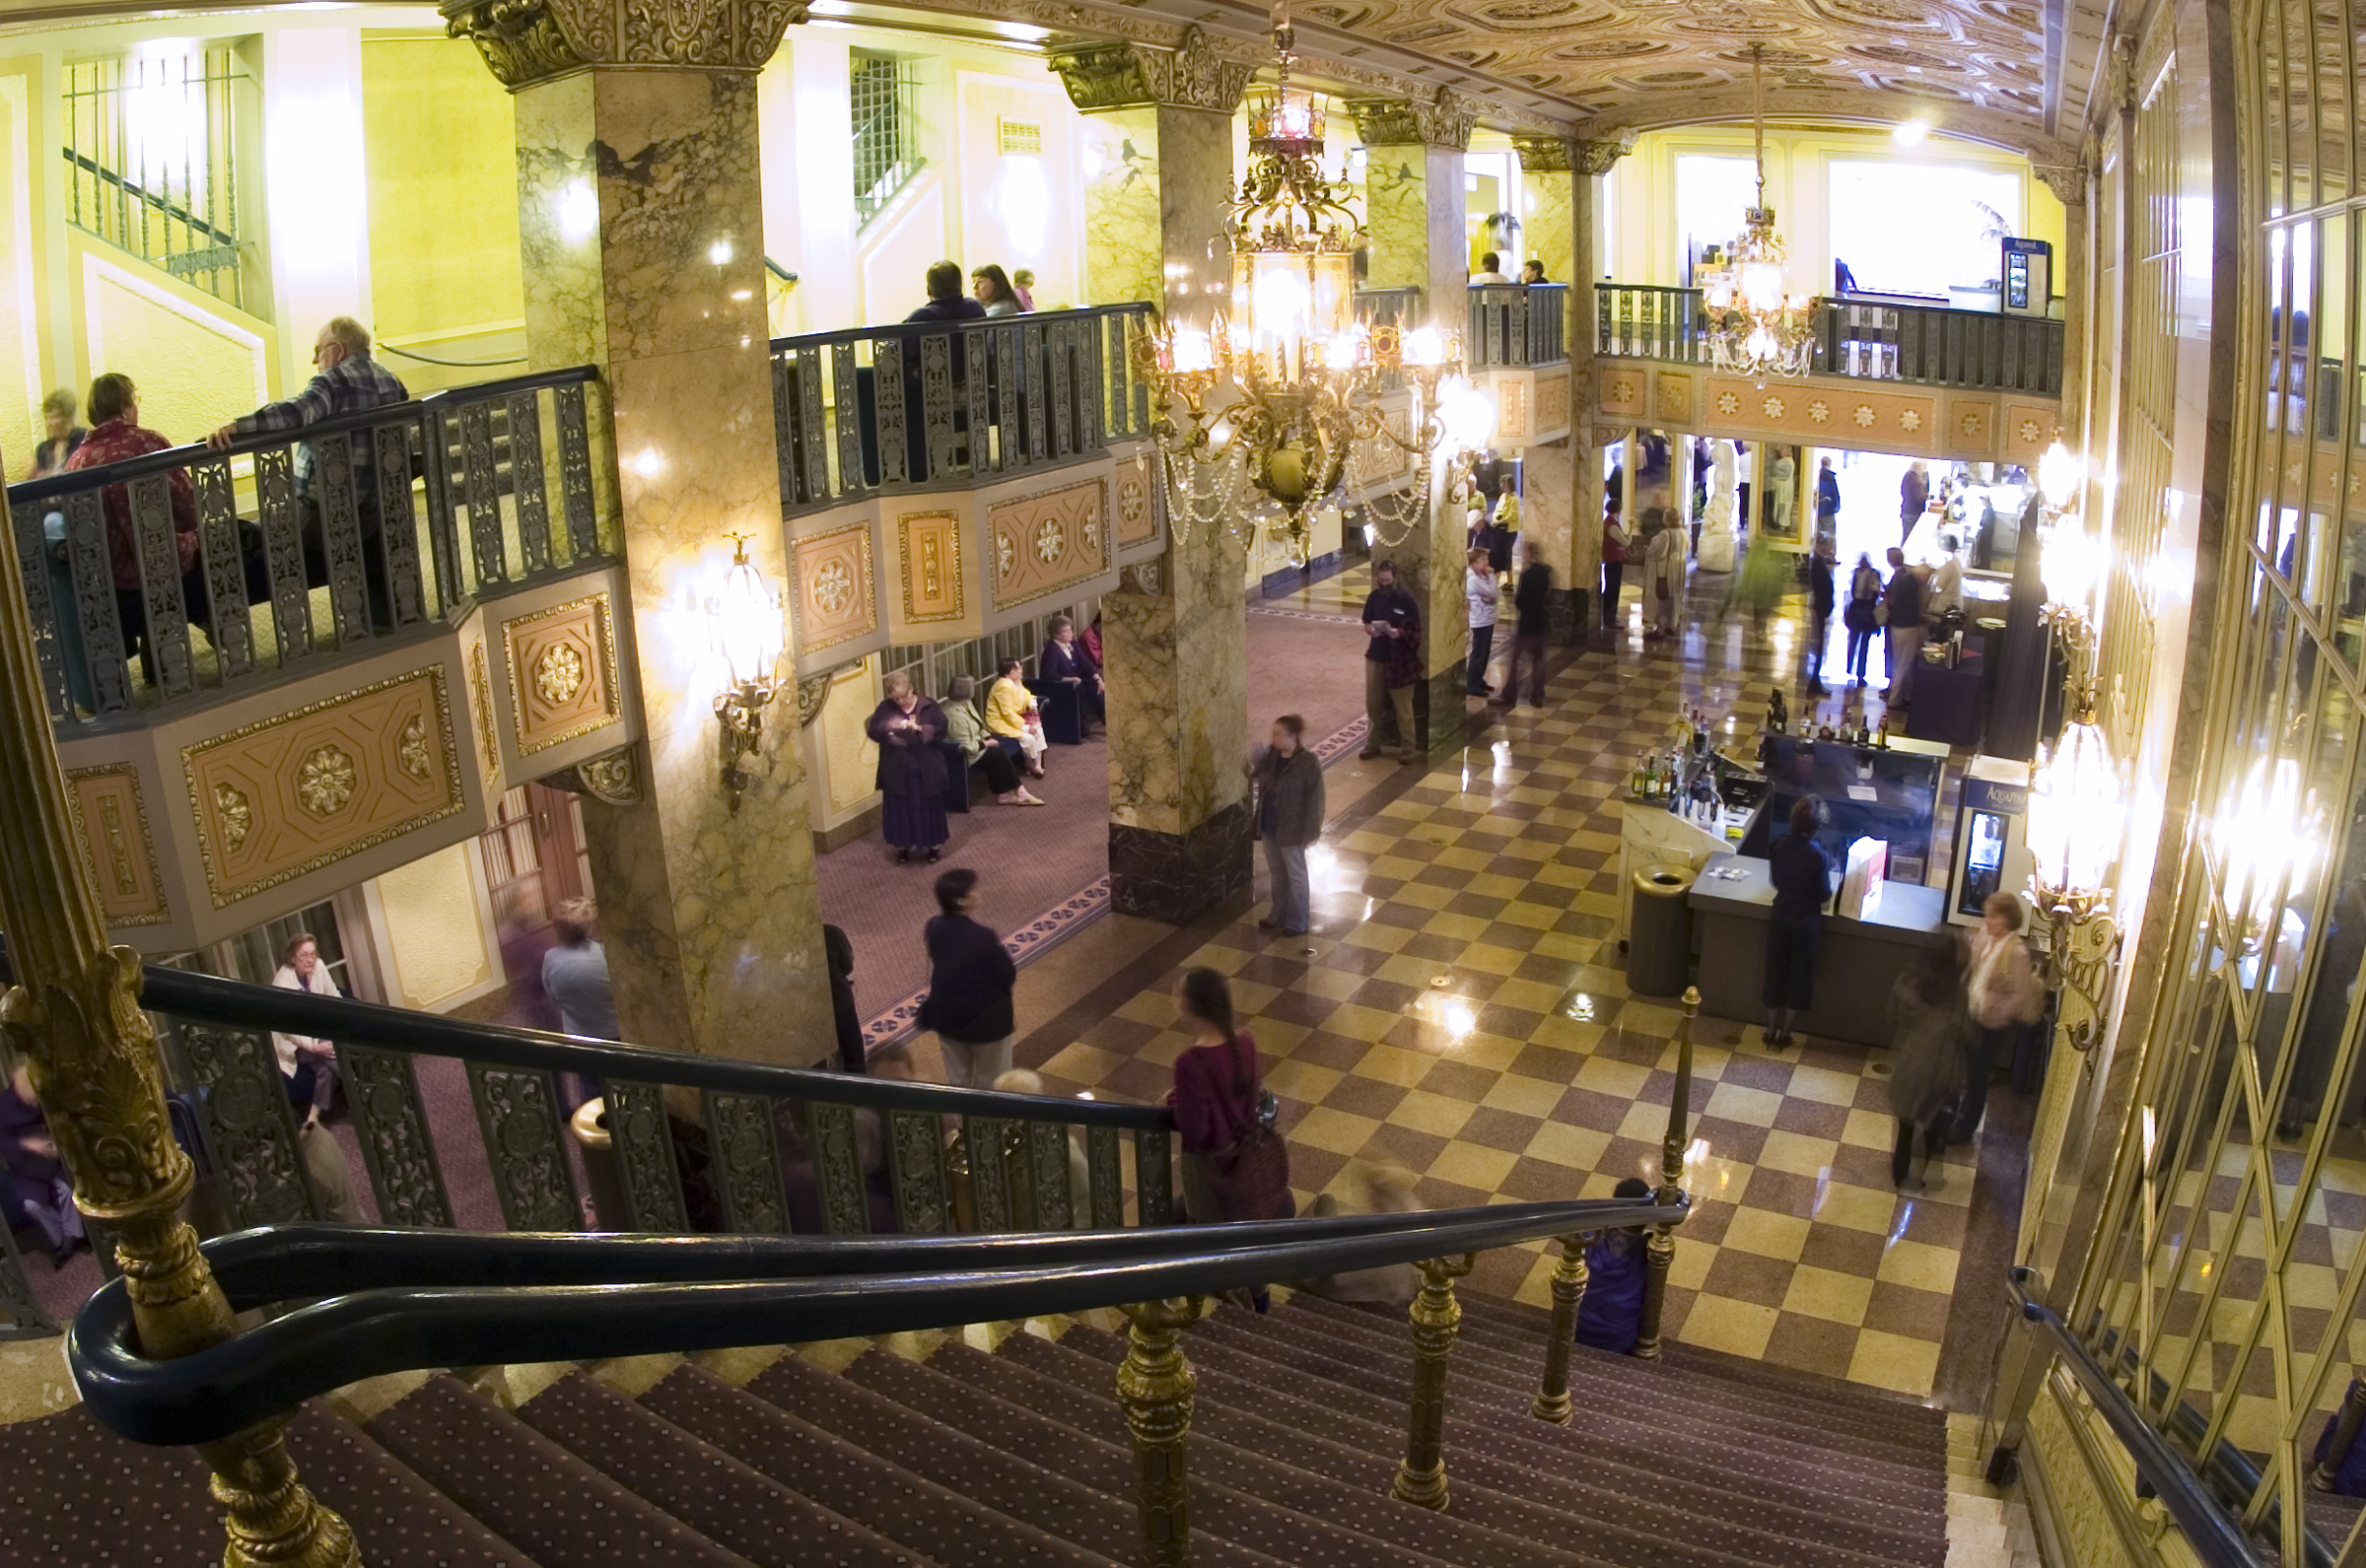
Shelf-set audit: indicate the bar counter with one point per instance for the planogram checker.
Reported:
(1857, 961)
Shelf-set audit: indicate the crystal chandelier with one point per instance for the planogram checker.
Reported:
(1755, 327)
(1280, 397)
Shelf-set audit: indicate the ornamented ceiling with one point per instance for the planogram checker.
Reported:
(2015, 73)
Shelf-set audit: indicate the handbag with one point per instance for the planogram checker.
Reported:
(1250, 1178)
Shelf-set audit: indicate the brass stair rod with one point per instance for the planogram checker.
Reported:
(1569, 1294)
(1156, 1386)
(1659, 1251)
(75, 1015)
(1436, 1318)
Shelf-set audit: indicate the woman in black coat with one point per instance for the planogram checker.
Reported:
(907, 727)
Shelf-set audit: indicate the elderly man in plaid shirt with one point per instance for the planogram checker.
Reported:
(349, 382)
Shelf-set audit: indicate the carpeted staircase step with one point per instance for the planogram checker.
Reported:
(1802, 1504)
(1780, 1392)
(1228, 1479)
(1655, 1518)
(552, 1505)
(1386, 1376)
(705, 1488)
(1512, 1321)
(1681, 1402)
(75, 1495)
(872, 1491)
(1034, 1487)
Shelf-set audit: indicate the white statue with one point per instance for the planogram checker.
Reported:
(1717, 525)
(1781, 484)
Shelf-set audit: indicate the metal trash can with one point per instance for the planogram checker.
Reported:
(1659, 946)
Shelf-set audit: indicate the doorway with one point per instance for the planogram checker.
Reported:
(534, 860)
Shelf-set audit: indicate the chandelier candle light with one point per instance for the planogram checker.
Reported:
(1756, 326)
(1284, 390)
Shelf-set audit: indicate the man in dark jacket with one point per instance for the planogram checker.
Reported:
(970, 980)
(1290, 817)
(1819, 568)
(948, 305)
(1903, 601)
(1913, 496)
(1532, 598)
(1392, 660)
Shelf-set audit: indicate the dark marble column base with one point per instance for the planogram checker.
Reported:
(1439, 708)
(1571, 612)
(1175, 877)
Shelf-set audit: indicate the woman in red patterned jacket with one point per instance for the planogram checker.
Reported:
(116, 433)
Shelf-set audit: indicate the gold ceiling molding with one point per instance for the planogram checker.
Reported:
(525, 42)
(1444, 119)
(1101, 75)
(2067, 181)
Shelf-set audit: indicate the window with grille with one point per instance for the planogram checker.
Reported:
(886, 128)
(151, 161)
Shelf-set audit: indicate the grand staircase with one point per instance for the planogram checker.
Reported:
(861, 1456)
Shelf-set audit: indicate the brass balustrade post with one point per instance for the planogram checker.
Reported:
(75, 1016)
(1436, 1318)
(1156, 1385)
(1659, 1251)
(1569, 1294)
(2346, 1432)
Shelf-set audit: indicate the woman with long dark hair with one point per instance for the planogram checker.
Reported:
(1236, 1165)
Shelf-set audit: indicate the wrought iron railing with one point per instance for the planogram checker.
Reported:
(165, 582)
(1968, 349)
(924, 405)
(152, 144)
(1512, 324)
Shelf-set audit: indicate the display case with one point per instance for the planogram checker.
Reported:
(1887, 792)
(1991, 845)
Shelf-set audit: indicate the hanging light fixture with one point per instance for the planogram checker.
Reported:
(1280, 397)
(2077, 813)
(1755, 325)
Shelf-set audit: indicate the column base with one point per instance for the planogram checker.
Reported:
(1438, 709)
(1571, 612)
(1175, 877)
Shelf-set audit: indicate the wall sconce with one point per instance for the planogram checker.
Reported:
(2077, 816)
(2072, 561)
(746, 618)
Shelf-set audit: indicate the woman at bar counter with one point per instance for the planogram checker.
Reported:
(2004, 993)
(911, 775)
(1802, 876)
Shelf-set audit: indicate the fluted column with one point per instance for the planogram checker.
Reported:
(640, 216)
(1413, 212)
(73, 1015)
(1159, 162)
(1554, 520)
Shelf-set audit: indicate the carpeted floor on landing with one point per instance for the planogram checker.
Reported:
(1029, 859)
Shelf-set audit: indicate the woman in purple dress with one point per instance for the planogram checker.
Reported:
(907, 727)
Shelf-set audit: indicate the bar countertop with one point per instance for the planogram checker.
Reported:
(1739, 884)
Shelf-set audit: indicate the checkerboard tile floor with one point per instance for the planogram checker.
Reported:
(1460, 1012)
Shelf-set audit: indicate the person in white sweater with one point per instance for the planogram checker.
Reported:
(1482, 591)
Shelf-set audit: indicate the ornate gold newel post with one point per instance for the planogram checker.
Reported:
(1569, 1293)
(1660, 1251)
(1436, 1318)
(75, 1015)
(1156, 1386)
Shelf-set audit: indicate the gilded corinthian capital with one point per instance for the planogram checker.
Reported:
(525, 42)
(1104, 75)
(1543, 155)
(1445, 120)
(1596, 157)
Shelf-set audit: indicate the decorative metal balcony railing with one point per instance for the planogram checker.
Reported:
(922, 406)
(306, 547)
(1516, 325)
(1966, 349)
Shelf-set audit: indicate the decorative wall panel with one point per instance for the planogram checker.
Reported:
(286, 796)
(1137, 513)
(480, 703)
(562, 672)
(1513, 408)
(1620, 396)
(928, 547)
(1551, 406)
(837, 591)
(118, 844)
(2028, 428)
(1049, 541)
(1971, 426)
(1851, 413)
(1677, 399)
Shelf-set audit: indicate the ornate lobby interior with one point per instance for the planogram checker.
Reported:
(483, 463)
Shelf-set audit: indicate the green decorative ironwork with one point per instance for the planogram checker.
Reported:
(250, 1131)
(643, 1144)
(988, 1177)
(748, 1162)
(1107, 1179)
(382, 1091)
(916, 1166)
(1046, 1171)
(1154, 1177)
(517, 1113)
(837, 1169)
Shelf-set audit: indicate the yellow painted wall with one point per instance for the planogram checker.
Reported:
(21, 381)
(445, 276)
(1799, 183)
(197, 363)
(434, 930)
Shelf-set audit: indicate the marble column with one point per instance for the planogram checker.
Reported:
(2070, 272)
(1413, 213)
(1159, 167)
(1549, 522)
(641, 217)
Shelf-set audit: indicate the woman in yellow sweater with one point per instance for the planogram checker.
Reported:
(1011, 718)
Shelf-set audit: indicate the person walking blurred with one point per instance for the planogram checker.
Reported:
(971, 978)
(1290, 817)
